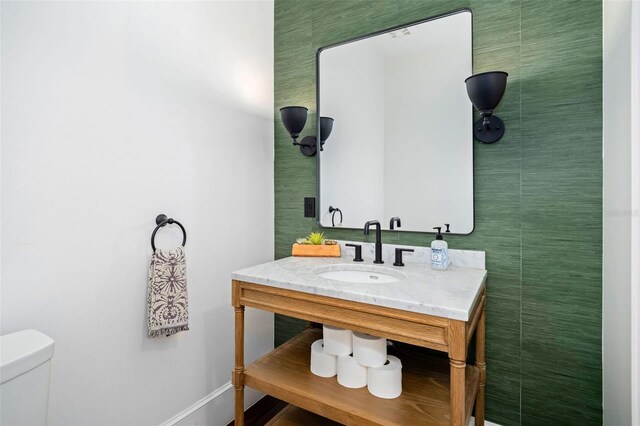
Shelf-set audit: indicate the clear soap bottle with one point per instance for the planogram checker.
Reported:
(439, 252)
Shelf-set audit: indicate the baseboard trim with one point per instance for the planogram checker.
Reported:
(198, 405)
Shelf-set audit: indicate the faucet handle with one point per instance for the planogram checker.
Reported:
(399, 251)
(358, 247)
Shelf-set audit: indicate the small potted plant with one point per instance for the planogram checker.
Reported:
(316, 245)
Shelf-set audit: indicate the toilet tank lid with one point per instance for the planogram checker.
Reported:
(23, 351)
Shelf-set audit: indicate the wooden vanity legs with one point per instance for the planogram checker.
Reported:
(483, 368)
(457, 340)
(238, 371)
(457, 361)
(458, 412)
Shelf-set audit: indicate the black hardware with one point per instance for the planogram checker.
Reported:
(399, 251)
(307, 146)
(447, 225)
(438, 234)
(294, 118)
(333, 211)
(163, 220)
(358, 256)
(393, 220)
(375, 223)
(485, 91)
(309, 207)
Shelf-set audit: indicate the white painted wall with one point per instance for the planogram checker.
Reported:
(635, 209)
(114, 112)
(618, 213)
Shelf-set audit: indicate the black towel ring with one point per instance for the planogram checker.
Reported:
(333, 211)
(162, 220)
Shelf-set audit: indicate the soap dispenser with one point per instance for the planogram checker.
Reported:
(439, 252)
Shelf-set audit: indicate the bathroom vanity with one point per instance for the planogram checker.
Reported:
(439, 310)
(403, 126)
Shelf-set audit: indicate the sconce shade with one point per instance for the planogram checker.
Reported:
(294, 118)
(485, 90)
(326, 125)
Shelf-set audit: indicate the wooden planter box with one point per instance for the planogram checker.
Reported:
(308, 250)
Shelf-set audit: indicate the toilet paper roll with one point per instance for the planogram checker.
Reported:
(322, 364)
(386, 381)
(337, 341)
(350, 373)
(370, 351)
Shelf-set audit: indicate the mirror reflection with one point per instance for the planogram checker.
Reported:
(402, 145)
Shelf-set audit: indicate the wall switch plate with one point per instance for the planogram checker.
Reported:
(309, 207)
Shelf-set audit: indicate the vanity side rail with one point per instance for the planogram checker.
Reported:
(404, 326)
(475, 315)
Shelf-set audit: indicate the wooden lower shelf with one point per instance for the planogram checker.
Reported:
(285, 374)
(296, 416)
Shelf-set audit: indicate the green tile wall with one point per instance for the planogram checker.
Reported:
(537, 191)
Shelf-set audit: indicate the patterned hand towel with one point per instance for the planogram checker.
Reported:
(167, 307)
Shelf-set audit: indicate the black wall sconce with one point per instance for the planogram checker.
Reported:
(294, 118)
(485, 91)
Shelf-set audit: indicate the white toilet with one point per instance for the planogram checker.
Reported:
(25, 361)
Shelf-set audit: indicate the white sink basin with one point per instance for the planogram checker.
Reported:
(364, 274)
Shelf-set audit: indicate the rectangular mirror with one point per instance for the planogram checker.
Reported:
(402, 139)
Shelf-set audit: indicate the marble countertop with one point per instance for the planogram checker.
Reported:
(450, 294)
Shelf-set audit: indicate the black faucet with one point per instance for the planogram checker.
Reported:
(395, 220)
(399, 251)
(375, 223)
(358, 256)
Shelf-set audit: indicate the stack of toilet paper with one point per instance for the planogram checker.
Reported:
(358, 360)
